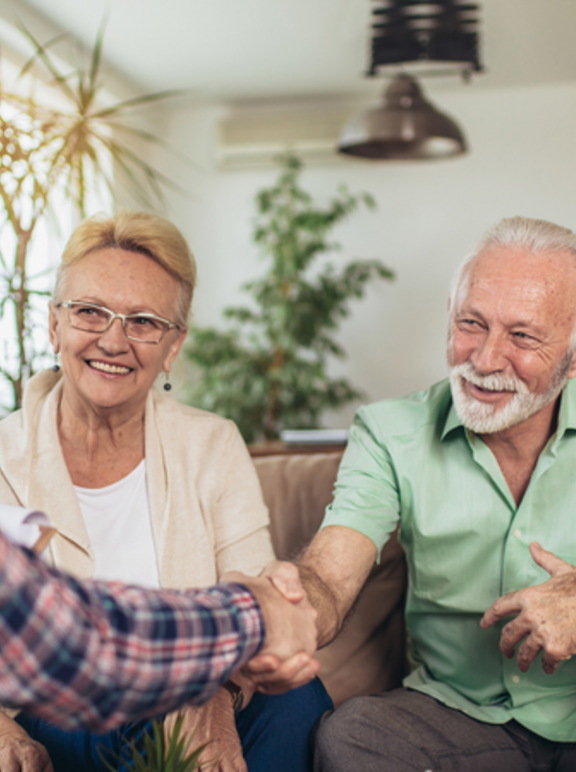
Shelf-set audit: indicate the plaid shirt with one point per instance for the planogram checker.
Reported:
(98, 654)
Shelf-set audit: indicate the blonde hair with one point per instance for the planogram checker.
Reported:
(134, 231)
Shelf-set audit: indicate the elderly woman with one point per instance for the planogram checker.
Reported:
(140, 488)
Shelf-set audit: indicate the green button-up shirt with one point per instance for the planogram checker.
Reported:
(410, 461)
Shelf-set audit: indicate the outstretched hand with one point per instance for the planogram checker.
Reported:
(286, 659)
(546, 615)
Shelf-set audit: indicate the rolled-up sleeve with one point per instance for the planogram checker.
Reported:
(366, 496)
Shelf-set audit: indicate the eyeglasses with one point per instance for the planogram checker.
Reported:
(143, 327)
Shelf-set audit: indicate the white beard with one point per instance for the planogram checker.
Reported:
(484, 418)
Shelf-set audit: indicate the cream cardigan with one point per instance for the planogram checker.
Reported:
(206, 506)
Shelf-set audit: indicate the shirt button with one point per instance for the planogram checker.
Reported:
(517, 533)
(516, 679)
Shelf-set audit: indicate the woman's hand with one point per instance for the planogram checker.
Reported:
(215, 725)
(18, 751)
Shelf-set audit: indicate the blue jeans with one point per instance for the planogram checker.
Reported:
(273, 730)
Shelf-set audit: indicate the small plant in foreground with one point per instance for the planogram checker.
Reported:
(158, 754)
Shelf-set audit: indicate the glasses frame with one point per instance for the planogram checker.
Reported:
(69, 304)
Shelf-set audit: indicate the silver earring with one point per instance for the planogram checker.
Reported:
(55, 366)
(167, 385)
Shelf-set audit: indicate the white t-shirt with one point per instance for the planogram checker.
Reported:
(117, 519)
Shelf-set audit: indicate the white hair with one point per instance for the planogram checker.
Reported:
(534, 236)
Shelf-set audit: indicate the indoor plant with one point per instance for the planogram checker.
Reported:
(49, 153)
(158, 753)
(268, 371)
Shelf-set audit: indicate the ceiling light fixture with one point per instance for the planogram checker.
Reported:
(407, 126)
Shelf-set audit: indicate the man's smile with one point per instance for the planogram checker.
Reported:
(483, 393)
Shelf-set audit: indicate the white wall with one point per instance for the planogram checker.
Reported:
(523, 161)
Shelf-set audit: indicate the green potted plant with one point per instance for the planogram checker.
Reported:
(268, 371)
(158, 753)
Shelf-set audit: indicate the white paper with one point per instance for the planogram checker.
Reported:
(22, 525)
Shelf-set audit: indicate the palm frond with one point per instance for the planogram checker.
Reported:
(154, 139)
(55, 148)
(97, 58)
(139, 102)
(41, 53)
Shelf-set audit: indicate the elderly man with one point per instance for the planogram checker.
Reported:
(478, 472)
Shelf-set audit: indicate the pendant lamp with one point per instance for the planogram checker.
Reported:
(407, 126)
(414, 33)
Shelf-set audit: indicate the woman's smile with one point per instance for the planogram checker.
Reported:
(108, 367)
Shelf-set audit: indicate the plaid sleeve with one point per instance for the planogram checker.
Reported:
(98, 654)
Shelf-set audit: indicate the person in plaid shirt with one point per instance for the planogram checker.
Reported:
(98, 654)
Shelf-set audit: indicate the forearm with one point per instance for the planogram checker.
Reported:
(97, 655)
(331, 613)
(333, 570)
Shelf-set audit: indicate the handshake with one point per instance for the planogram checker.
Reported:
(286, 660)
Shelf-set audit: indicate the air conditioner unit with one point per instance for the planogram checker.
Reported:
(255, 139)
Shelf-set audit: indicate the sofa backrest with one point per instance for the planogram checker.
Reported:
(369, 655)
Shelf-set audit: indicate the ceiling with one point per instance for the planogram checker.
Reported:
(241, 50)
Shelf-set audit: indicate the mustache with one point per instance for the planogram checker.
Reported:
(490, 382)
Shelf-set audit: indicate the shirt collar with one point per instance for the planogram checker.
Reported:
(451, 422)
(567, 413)
(566, 416)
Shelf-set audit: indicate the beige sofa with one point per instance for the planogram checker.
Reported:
(370, 654)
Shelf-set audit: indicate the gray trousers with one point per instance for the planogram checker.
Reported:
(406, 731)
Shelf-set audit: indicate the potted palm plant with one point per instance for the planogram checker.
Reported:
(47, 152)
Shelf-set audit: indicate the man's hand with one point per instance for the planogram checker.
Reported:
(268, 675)
(546, 615)
(286, 579)
(212, 725)
(330, 574)
(286, 659)
(19, 752)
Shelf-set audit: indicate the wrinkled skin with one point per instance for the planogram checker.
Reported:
(544, 616)
(286, 660)
(19, 752)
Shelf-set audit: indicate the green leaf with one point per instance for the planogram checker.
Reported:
(154, 754)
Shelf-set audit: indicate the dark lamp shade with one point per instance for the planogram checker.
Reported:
(406, 127)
